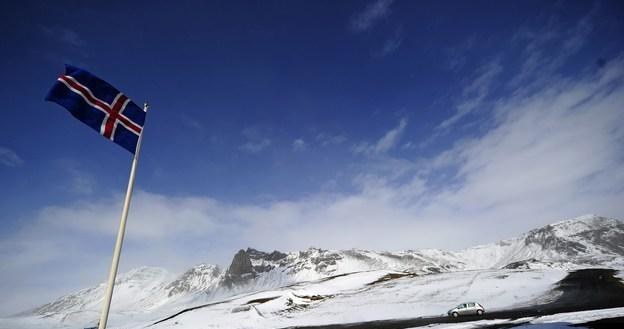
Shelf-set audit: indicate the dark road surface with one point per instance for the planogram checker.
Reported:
(582, 290)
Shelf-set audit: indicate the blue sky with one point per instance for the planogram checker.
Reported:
(284, 125)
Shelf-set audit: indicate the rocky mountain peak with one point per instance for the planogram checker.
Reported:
(548, 239)
(260, 255)
(241, 269)
(198, 278)
(585, 234)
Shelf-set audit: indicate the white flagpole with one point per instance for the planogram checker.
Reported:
(120, 235)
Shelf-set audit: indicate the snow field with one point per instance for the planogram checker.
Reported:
(351, 298)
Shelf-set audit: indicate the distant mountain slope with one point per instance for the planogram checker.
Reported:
(587, 241)
(583, 241)
(196, 279)
(141, 287)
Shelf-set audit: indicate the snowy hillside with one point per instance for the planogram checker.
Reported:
(146, 294)
(372, 295)
(141, 288)
(199, 278)
(580, 242)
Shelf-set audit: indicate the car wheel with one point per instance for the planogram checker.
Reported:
(479, 312)
(455, 314)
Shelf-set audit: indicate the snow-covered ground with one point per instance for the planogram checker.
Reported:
(348, 298)
(355, 298)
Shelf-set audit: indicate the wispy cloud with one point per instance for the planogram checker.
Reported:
(371, 15)
(76, 240)
(9, 158)
(81, 182)
(329, 139)
(256, 140)
(256, 146)
(385, 143)
(299, 144)
(64, 45)
(391, 44)
(65, 35)
(457, 54)
(546, 49)
(474, 93)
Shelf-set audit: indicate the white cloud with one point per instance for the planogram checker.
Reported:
(537, 68)
(474, 93)
(552, 154)
(9, 158)
(371, 15)
(73, 243)
(256, 146)
(385, 143)
(391, 44)
(546, 151)
(78, 180)
(540, 62)
(299, 144)
(256, 140)
(329, 139)
(457, 54)
(65, 35)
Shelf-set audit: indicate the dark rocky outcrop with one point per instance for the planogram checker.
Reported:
(240, 271)
(521, 265)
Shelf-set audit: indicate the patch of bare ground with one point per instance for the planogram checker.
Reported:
(303, 303)
(393, 276)
(315, 297)
(261, 300)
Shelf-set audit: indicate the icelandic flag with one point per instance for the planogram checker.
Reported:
(100, 106)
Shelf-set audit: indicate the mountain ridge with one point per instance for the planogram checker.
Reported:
(585, 241)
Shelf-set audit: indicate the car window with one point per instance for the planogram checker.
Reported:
(471, 305)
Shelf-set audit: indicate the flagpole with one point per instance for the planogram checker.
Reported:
(120, 235)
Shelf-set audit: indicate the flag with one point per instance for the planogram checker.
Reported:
(100, 106)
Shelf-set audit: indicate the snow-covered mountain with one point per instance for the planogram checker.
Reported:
(142, 285)
(253, 267)
(580, 242)
(588, 241)
(198, 279)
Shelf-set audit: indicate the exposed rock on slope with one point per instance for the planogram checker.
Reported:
(198, 278)
(583, 241)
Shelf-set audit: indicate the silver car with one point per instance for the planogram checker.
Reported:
(466, 309)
